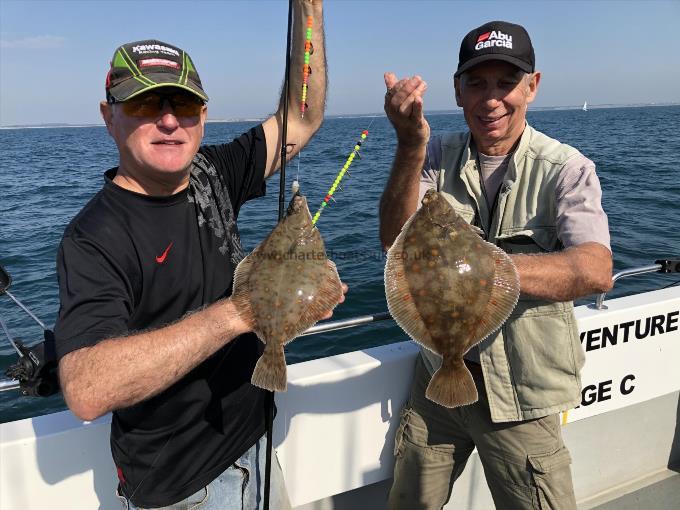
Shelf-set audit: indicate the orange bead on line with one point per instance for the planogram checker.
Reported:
(306, 70)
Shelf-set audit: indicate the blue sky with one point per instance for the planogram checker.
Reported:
(54, 55)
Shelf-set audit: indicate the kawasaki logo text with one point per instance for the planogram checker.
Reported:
(154, 48)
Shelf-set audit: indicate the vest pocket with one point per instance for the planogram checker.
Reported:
(533, 240)
(540, 343)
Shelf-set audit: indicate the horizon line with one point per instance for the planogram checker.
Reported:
(457, 110)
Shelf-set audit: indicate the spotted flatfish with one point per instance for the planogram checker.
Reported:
(283, 287)
(448, 289)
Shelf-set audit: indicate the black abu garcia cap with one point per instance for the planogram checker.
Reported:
(496, 40)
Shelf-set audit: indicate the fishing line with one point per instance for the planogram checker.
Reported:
(306, 72)
(297, 174)
(306, 69)
(296, 183)
(341, 173)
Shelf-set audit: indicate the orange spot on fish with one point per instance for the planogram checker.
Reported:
(482, 283)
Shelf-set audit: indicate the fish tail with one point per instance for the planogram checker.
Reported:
(452, 385)
(270, 370)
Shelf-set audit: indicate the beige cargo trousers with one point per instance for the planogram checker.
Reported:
(525, 463)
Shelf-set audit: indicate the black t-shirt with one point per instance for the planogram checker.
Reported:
(130, 262)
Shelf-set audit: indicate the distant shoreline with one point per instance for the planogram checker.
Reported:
(457, 111)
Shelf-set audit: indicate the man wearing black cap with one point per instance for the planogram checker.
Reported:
(146, 328)
(539, 200)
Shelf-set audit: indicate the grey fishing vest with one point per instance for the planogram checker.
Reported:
(531, 365)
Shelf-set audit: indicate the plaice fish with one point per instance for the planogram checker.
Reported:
(283, 287)
(448, 289)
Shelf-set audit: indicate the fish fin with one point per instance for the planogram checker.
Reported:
(399, 301)
(244, 269)
(240, 296)
(270, 371)
(452, 385)
(504, 294)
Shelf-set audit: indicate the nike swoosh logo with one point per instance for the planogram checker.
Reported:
(161, 259)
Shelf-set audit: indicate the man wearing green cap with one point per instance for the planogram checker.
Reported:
(538, 200)
(146, 328)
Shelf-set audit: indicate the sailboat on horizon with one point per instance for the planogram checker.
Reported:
(585, 106)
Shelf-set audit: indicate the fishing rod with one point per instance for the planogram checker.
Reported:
(284, 130)
(36, 368)
(269, 398)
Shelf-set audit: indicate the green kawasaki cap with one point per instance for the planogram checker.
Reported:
(140, 66)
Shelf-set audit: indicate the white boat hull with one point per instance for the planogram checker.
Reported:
(335, 426)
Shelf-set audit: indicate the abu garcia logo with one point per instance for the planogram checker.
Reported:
(494, 38)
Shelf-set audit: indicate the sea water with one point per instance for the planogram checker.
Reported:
(47, 175)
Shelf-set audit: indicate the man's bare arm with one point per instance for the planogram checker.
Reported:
(120, 372)
(404, 109)
(400, 197)
(573, 273)
(300, 130)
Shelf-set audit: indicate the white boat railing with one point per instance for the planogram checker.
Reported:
(660, 266)
(654, 268)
